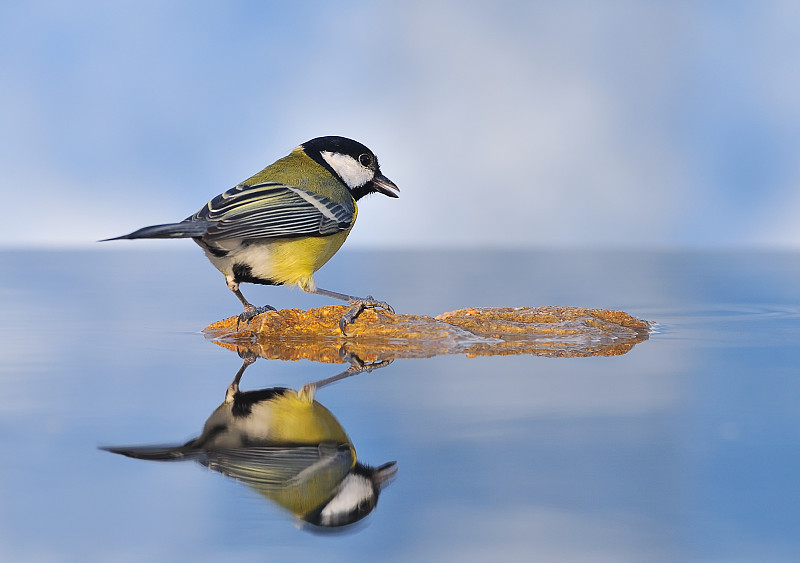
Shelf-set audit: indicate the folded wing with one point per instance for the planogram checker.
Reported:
(272, 210)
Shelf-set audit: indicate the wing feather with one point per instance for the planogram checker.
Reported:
(273, 210)
(277, 466)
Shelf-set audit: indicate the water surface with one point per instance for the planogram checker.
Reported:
(686, 448)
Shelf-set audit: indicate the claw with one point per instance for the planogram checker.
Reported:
(357, 365)
(248, 315)
(357, 306)
(247, 355)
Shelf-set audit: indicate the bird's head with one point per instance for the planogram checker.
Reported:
(355, 497)
(352, 163)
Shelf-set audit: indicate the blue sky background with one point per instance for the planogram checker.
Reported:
(603, 124)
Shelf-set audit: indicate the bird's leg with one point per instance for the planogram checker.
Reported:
(356, 366)
(250, 311)
(233, 388)
(357, 304)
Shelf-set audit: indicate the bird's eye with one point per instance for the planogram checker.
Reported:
(365, 159)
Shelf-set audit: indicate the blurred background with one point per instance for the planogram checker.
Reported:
(579, 153)
(506, 124)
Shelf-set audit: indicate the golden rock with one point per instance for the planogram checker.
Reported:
(294, 334)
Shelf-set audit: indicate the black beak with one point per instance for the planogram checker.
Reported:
(384, 185)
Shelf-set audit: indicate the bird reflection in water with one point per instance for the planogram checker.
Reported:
(287, 447)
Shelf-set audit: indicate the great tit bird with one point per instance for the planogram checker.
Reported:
(287, 447)
(284, 223)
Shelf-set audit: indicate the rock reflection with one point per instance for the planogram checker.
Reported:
(292, 334)
(286, 446)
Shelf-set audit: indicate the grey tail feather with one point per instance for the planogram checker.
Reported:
(184, 229)
(153, 453)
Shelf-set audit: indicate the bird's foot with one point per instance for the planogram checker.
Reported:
(247, 355)
(357, 305)
(248, 314)
(357, 365)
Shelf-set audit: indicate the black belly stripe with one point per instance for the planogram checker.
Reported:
(244, 273)
(243, 402)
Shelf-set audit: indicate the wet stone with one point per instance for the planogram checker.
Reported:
(293, 334)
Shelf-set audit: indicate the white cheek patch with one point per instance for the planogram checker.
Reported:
(348, 168)
(355, 489)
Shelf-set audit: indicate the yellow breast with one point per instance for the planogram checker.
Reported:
(295, 420)
(294, 260)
